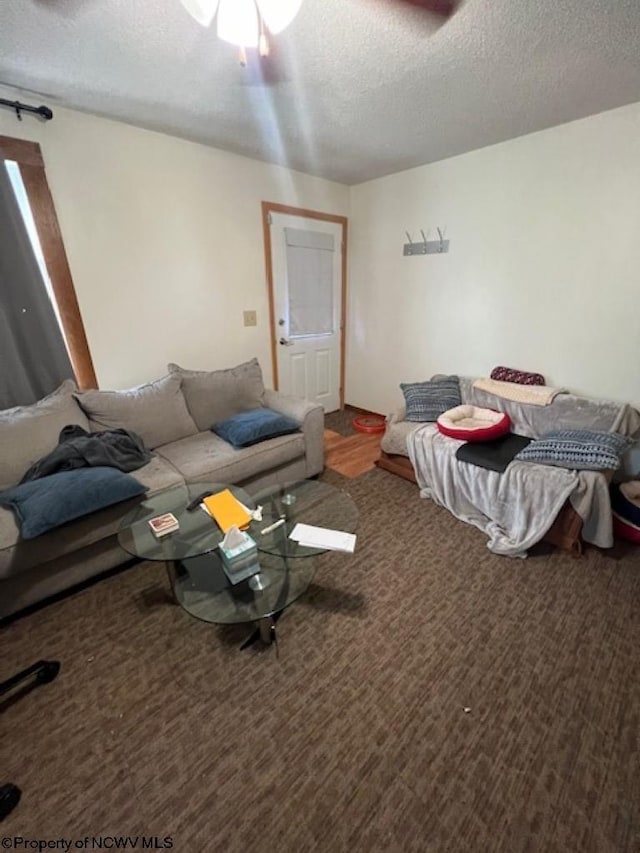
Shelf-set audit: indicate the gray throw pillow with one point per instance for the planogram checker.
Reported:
(426, 401)
(27, 433)
(157, 411)
(213, 396)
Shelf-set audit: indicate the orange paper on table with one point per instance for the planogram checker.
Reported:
(227, 511)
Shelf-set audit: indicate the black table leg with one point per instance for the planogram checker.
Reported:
(265, 631)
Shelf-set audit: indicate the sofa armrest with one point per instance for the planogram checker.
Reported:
(310, 416)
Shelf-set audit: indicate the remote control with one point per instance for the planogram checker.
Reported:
(195, 503)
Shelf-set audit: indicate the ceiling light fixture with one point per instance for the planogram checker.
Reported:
(243, 22)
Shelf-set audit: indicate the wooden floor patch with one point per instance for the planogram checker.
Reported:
(351, 455)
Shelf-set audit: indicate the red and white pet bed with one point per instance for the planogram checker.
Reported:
(471, 423)
(625, 504)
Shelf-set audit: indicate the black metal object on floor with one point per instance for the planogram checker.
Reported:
(9, 799)
(41, 672)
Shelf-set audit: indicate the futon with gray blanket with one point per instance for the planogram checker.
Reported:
(515, 508)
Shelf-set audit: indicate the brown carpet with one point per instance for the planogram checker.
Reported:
(341, 421)
(429, 696)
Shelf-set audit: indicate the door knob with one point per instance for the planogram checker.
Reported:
(285, 343)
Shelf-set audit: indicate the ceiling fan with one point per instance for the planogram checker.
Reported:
(250, 25)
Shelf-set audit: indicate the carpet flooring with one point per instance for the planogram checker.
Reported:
(341, 421)
(428, 696)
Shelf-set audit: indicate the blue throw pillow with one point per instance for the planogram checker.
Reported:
(577, 455)
(426, 401)
(606, 441)
(41, 505)
(256, 425)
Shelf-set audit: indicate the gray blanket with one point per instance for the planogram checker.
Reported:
(567, 411)
(77, 448)
(516, 508)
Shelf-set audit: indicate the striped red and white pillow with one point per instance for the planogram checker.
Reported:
(520, 377)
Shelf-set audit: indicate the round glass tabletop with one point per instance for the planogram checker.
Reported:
(203, 589)
(198, 533)
(306, 501)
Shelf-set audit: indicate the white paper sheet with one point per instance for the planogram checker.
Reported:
(323, 537)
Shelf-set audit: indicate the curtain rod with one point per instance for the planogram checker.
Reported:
(44, 112)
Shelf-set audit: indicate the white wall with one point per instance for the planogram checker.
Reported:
(543, 271)
(165, 245)
(164, 240)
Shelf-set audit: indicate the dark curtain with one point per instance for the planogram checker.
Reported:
(33, 356)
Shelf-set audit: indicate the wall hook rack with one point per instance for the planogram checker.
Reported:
(426, 246)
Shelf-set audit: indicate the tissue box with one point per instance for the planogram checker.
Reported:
(239, 556)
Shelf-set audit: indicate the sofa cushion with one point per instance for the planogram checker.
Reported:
(206, 457)
(213, 396)
(425, 401)
(18, 555)
(247, 428)
(156, 411)
(27, 433)
(158, 475)
(49, 502)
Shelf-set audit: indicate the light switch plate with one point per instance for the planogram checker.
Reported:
(250, 318)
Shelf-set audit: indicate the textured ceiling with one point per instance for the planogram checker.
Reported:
(367, 87)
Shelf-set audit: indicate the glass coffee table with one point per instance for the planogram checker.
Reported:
(306, 501)
(191, 556)
(198, 533)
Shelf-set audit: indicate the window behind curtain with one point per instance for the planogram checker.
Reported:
(24, 167)
(27, 215)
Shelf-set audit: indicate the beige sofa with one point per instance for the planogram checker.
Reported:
(173, 415)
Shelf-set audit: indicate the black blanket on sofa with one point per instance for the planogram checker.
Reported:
(494, 455)
(77, 448)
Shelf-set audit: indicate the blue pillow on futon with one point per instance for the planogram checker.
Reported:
(256, 425)
(43, 504)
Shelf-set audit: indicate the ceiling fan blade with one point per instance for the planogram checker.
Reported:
(442, 8)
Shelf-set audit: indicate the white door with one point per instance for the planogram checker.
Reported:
(306, 259)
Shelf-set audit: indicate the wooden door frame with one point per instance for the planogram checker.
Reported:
(268, 208)
(29, 158)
